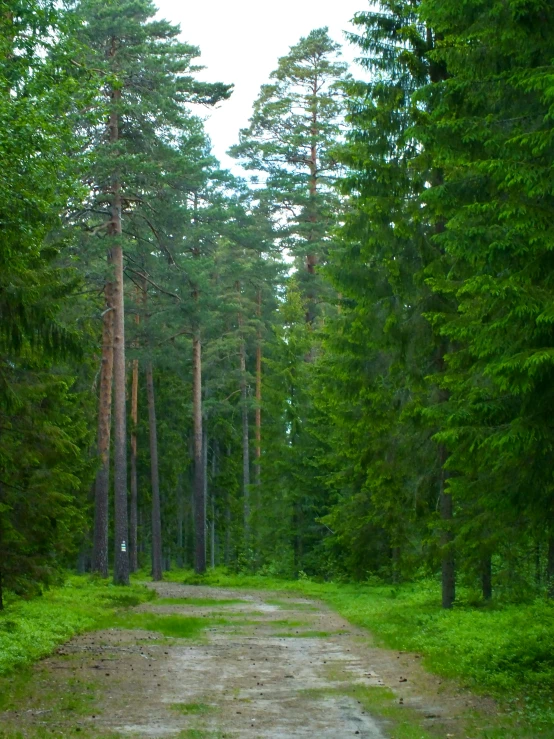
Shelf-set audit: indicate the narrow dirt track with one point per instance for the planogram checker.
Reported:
(268, 665)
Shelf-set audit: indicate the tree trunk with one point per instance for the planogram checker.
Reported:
(199, 504)
(538, 564)
(205, 449)
(245, 444)
(180, 521)
(157, 563)
(447, 516)
(395, 557)
(102, 484)
(121, 525)
(133, 518)
(227, 553)
(258, 421)
(311, 259)
(486, 576)
(550, 567)
(212, 507)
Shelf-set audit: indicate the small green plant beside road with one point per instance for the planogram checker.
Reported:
(30, 630)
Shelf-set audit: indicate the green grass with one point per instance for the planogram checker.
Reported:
(208, 602)
(180, 627)
(65, 710)
(49, 733)
(192, 708)
(32, 629)
(504, 650)
(381, 703)
(308, 634)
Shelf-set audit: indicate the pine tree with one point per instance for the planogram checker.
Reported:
(147, 88)
(294, 128)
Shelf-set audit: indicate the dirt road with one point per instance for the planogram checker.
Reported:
(267, 665)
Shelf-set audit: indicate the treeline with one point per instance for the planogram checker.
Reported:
(338, 366)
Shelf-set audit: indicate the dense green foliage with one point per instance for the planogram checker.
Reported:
(44, 411)
(341, 368)
(30, 630)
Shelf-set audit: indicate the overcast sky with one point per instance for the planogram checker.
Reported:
(241, 41)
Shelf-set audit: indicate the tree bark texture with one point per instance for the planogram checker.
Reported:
(311, 258)
(245, 443)
(121, 525)
(212, 505)
(227, 552)
(550, 567)
(486, 576)
(133, 515)
(180, 521)
(447, 516)
(102, 483)
(199, 504)
(157, 563)
(258, 420)
(205, 448)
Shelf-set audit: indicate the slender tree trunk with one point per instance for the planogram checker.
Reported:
(258, 421)
(299, 538)
(205, 449)
(447, 516)
(245, 444)
(102, 484)
(199, 504)
(538, 564)
(550, 567)
(157, 563)
(185, 540)
(395, 557)
(213, 510)
(121, 526)
(133, 519)
(227, 553)
(121, 559)
(180, 521)
(486, 575)
(311, 258)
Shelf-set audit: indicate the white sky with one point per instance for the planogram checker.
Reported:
(241, 41)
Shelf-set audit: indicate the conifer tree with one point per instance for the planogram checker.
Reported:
(293, 130)
(44, 471)
(146, 73)
(490, 130)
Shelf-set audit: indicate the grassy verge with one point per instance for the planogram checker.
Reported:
(503, 650)
(32, 629)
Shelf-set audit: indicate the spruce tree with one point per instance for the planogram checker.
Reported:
(44, 416)
(490, 130)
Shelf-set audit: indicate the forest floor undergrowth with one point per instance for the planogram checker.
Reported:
(193, 661)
